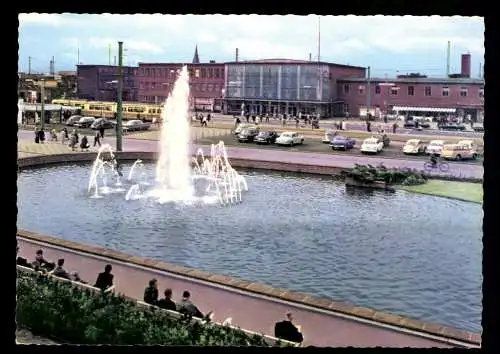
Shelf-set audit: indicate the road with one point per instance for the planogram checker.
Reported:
(356, 125)
(255, 313)
(334, 160)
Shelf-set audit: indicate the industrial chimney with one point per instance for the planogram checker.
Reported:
(237, 55)
(465, 68)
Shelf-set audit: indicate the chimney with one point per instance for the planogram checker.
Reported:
(465, 68)
(310, 57)
(237, 55)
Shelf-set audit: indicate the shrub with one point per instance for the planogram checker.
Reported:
(369, 174)
(56, 309)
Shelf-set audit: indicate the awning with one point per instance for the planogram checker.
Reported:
(70, 108)
(423, 109)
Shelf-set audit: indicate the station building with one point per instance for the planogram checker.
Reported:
(278, 86)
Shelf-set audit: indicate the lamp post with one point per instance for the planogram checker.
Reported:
(119, 103)
(42, 101)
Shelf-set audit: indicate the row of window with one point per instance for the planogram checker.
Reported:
(445, 91)
(198, 87)
(204, 73)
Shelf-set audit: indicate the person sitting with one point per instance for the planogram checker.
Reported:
(59, 270)
(287, 330)
(167, 303)
(41, 263)
(84, 145)
(186, 307)
(105, 279)
(41, 134)
(21, 261)
(151, 292)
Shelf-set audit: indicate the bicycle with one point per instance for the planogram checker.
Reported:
(441, 166)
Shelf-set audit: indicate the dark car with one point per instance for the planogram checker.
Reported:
(384, 138)
(452, 126)
(342, 143)
(413, 124)
(102, 123)
(266, 137)
(248, 135)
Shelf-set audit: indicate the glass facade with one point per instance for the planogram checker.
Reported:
(285, 82)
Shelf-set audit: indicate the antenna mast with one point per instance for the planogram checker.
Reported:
(319, 38)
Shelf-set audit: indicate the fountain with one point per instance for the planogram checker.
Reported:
(180, 178)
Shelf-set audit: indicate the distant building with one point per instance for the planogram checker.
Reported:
(285, 86)
(99, 82)
(156, 81)
(415, 94)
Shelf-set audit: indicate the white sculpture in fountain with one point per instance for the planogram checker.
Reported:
(179, 177)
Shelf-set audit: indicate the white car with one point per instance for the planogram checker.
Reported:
(435, 147)
(243, 126)
(290, 138)
(372, 146)
(414, 147)
(328, 136)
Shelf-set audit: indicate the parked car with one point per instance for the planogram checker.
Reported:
(478, 127)
(72, 120)
(435, 147)
(458, 152)
(414, 147)
(135, 125)
(242, 126)
(470, 143)
(290, 138)
(248, 135)
(384, 138)
(452, 126)
(102, 123)
(342, 143)
(372, 146)
(329, 134)
(266, 137)
(84, 122)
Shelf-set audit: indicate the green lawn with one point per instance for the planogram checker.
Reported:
(470, 192)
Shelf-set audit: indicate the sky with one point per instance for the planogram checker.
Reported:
(389, 45)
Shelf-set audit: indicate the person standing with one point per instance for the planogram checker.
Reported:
(97, 139)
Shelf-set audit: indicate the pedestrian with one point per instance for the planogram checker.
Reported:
(101, 131)
(97, 139)
(394, 126)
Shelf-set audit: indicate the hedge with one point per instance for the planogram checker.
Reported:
(63, 311)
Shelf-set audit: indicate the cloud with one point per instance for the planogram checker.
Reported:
(129, 44)
(43, 19)
(344, 39)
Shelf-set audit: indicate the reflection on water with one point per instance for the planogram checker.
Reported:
(413, 255)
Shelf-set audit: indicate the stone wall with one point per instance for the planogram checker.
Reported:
(466, 338)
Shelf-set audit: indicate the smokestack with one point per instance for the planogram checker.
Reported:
(310, 57)
(448, 59)
(237, 55)
(465, 67)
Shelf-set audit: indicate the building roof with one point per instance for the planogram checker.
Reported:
(178, 64)
(103, 66)
(417, 80)
(292, 61)
(196, 58)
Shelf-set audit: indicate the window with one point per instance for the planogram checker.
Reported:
(361, 90)
(147, 71)
(346, 88)
(203, 87)
(217, 73)
(445, 91)
(463, 91)
(210, 73)
(203, 73)
(197, 73)
(411, 90)
(427, 91)
(346, 108)
(377, 90)
(481, 93)
(210, 87)
(394, 91)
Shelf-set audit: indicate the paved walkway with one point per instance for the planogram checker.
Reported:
(252, 312)
(334, 160)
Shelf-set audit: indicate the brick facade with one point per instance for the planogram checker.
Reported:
(156, 81)
(97, 83)
(463, 94)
